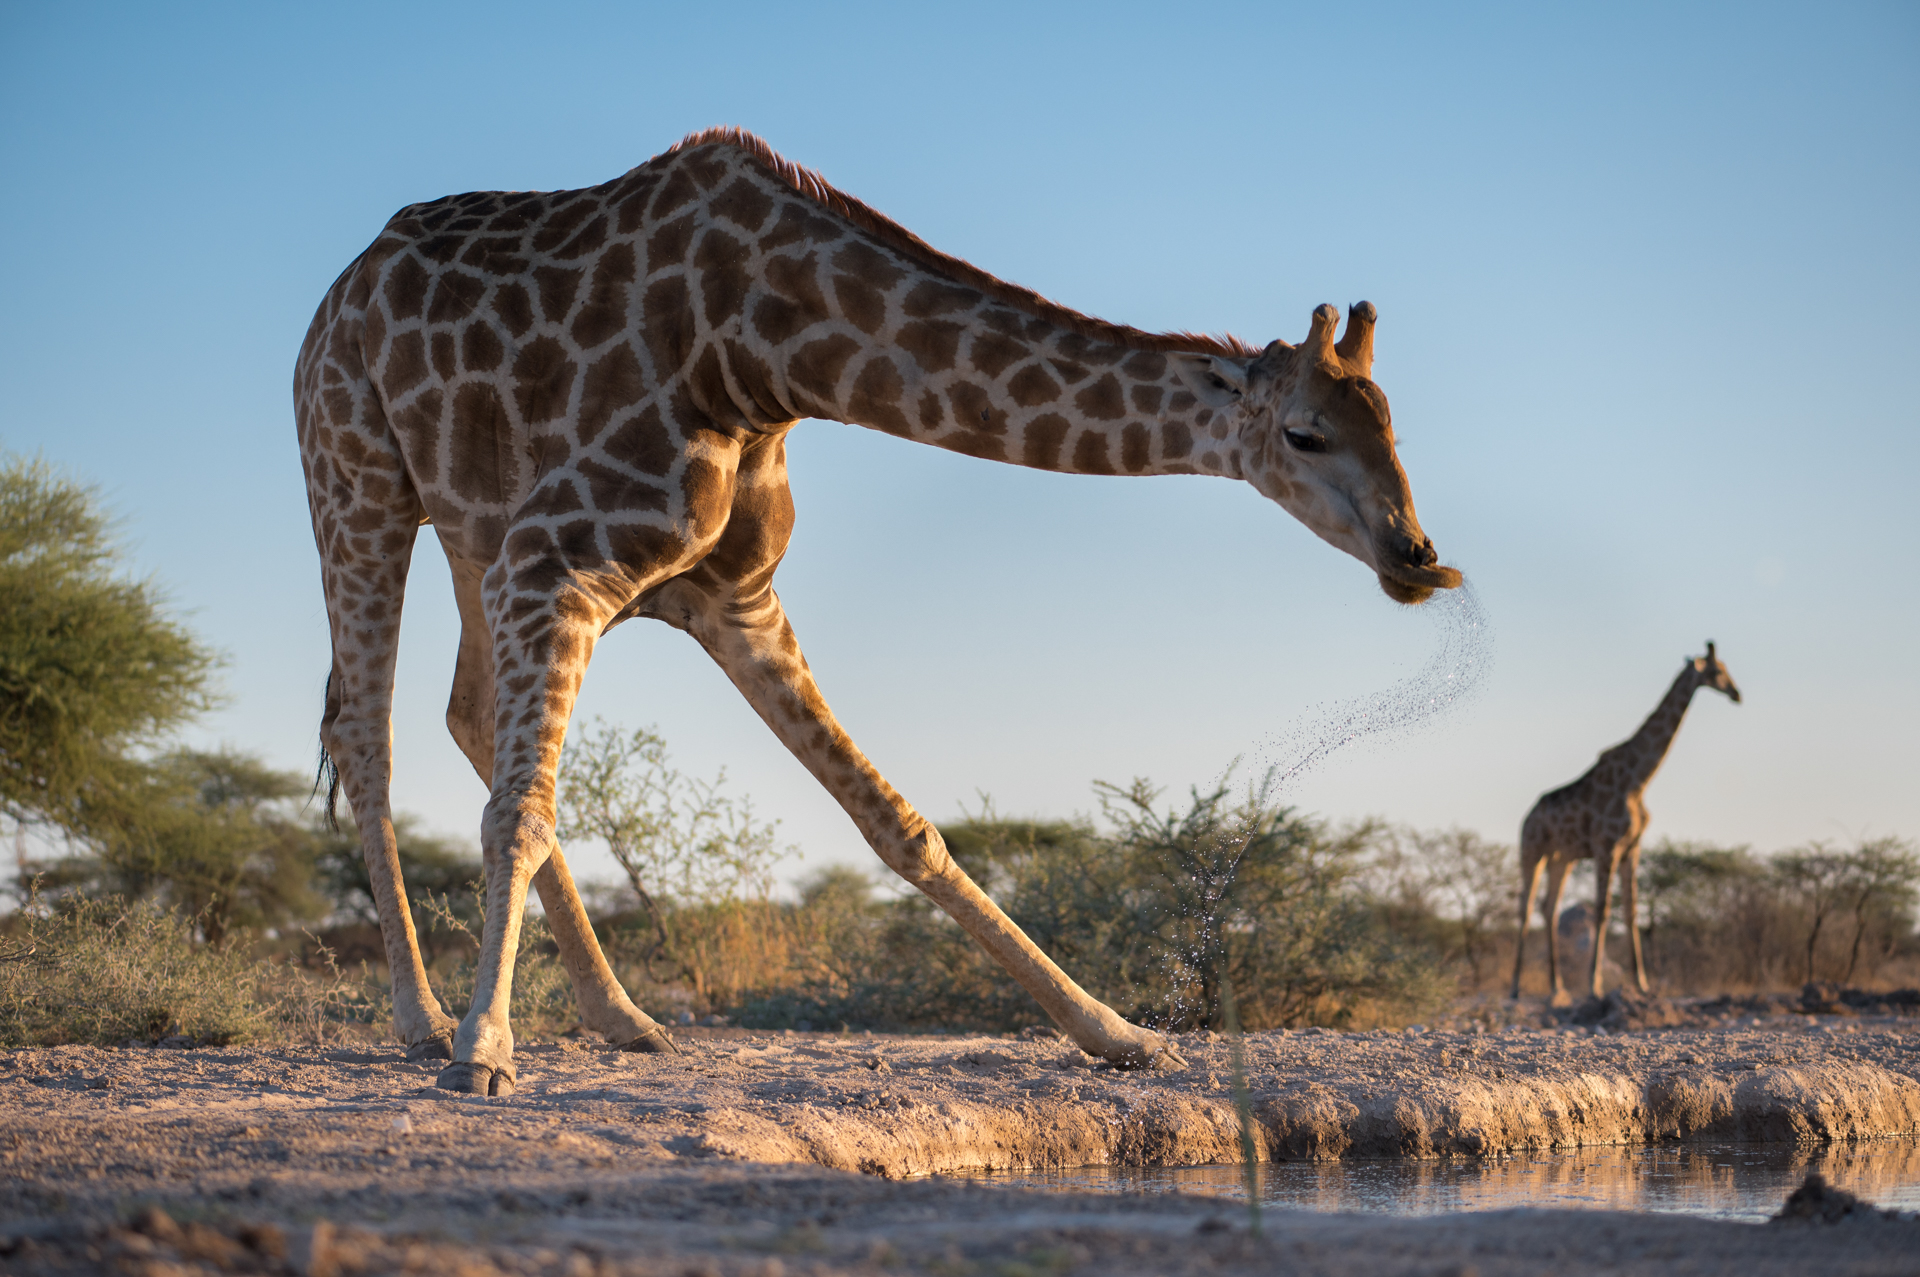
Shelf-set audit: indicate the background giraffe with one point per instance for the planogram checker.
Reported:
(587, 393)
(1600, 817)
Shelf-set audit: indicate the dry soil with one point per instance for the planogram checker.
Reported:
(770, 1154)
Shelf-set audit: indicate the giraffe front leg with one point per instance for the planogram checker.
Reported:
(514, 843)
(1632, 888)
(604, 1006)
(1530, 864)
(1556, 883)
(1603, 869)
(752, 641)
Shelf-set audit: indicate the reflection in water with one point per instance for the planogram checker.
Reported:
(1726, 1181)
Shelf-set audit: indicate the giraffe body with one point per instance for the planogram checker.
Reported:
(1601, 817)
(588, 394)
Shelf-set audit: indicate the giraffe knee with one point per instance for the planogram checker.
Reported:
(513, 836)
(920, 857)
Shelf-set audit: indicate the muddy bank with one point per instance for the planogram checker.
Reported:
(645, 1152)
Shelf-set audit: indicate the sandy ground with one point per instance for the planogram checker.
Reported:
(775, 1154)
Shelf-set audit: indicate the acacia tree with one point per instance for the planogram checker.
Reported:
(90, 667)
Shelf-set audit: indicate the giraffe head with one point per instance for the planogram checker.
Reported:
(1317, 437)
(1711, 671)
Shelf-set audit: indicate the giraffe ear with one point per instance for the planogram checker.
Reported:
(1215, 380)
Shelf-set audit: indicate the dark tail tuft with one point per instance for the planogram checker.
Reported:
(328, 773)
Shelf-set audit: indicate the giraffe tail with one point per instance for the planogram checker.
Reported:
(328, 772)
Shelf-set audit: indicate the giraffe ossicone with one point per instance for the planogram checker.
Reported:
(1601, 817)
(587, 393)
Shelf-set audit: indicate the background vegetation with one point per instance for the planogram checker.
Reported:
(196, 895)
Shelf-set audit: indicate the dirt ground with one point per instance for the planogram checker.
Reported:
(809, 1153)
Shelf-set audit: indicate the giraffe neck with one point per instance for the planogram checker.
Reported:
(842, 321)
(1648, 747)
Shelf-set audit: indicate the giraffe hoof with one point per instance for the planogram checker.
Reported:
(437, 1047)
(653, 1042)
(475, 1079)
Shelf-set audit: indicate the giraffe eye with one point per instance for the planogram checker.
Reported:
(1305, 440)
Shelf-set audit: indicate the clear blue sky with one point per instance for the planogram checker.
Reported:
(1646, 277)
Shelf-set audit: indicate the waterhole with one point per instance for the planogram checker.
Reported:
(1738, 1182)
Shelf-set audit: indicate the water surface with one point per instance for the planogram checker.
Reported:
(1736, 1181)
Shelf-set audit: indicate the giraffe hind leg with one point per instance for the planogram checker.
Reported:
(1530, 866)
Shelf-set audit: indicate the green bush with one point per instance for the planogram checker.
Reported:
(104, 971)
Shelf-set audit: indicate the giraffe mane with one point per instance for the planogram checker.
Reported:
(807, 182)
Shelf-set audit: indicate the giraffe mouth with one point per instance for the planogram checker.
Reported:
(1405, 583)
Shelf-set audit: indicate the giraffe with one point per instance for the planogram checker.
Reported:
(587, 394)
(1600, 817)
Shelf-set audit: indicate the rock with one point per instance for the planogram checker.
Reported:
(1818, 1202)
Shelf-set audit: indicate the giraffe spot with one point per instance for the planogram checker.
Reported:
(798, 280)
(484, 534)
(543, 380)
(778, 320)
(799, 223)
(1146, 399)
(1088, 351)
(1102, 400)
(752, 375)
(973, 409)
(1090, 453)
(558, 286)
(707, 385)
(554, 497)
(706, 165)
(932, 411)
(546, 452)
(406, 365)
(339, 405)
(641, 545)
(514, 307)
(1176, 441)
(705, 487)
(455, 294)
(1136, 447)
(743, 203)
(612, 382)
(480, 348)
(577, 542)
(632, 209)
(604, 313)
(933, 343)
(613, 491)
(722, 261)
(869, 264)
(816, 366)
(1145, 365)
(863, 304)
(590, 239)
(935, 297)
(876, 398)
(1031, 386)
(667, 325)
(484, 466)
(644, 443)
(1008, 323)
(668, 244)
(441, 349)
(674, 192)
(440, 248)
(512, 219)
(566, 210)
(992, 353)
(974, 443)
(1210, 460)
(528, 541)
(1181, 401)
(406, 289)
(1045, 434)
(1070, 372)
(538, 578)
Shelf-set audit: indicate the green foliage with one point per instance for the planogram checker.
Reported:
(213, 835)
(104, 971)
(683, 843)
(1721, 918)
(439, 874)
(89, 665)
